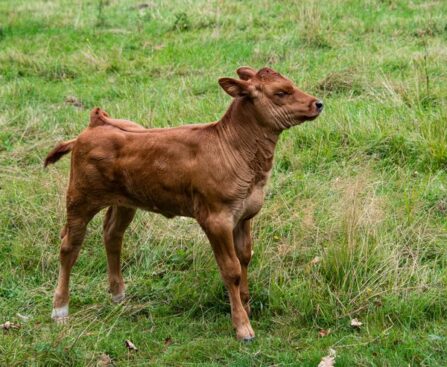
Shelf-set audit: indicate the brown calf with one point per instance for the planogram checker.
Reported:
(213, 172)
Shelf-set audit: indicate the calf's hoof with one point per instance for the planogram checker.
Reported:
(245, 333)
(60, 314)
(248, 339)
(118, 298)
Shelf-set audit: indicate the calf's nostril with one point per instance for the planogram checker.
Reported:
(319, 105)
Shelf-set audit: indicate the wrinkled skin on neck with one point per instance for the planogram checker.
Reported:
(249, 141)
(265, 103)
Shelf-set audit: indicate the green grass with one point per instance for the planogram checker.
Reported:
(364, 187)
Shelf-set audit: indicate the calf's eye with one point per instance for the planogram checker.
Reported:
(280, 93)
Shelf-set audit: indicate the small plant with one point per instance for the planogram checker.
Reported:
(182, 22)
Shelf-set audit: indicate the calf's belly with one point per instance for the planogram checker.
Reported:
(167, 203)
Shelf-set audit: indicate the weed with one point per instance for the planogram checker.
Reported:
(182, 22)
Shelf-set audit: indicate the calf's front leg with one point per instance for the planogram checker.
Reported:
(243, 244)
(220, 233)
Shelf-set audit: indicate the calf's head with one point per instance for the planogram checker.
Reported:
(273, 99)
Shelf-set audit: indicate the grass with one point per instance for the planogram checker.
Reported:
(363, 188)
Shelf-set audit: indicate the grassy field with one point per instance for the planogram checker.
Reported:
(363, 188)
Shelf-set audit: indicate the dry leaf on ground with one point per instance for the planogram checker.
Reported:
(129, 345)
(9, 325)
(329, 360)
(324, 332)
(356, 323)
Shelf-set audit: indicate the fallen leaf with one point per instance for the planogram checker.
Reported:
(329, 360)
(315, 260)
(159, 47)
(356, 323)
(9, 325)
(322, 333)
(168, 341)
(129, 345)
(104, 361)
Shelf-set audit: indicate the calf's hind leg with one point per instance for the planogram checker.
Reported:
(116, 221)
(78, 216)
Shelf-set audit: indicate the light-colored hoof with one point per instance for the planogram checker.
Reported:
(118, 298)
(60, 314)
(245, 334)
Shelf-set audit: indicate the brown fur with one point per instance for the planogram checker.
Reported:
(213, 172)
(59, 151)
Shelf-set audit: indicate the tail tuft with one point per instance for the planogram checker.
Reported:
(59, 151)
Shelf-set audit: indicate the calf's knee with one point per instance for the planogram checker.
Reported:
(232, 275)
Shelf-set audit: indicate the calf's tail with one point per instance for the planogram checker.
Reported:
(60, 150)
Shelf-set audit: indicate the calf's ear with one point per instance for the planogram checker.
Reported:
(234, 87)
(246, 72)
